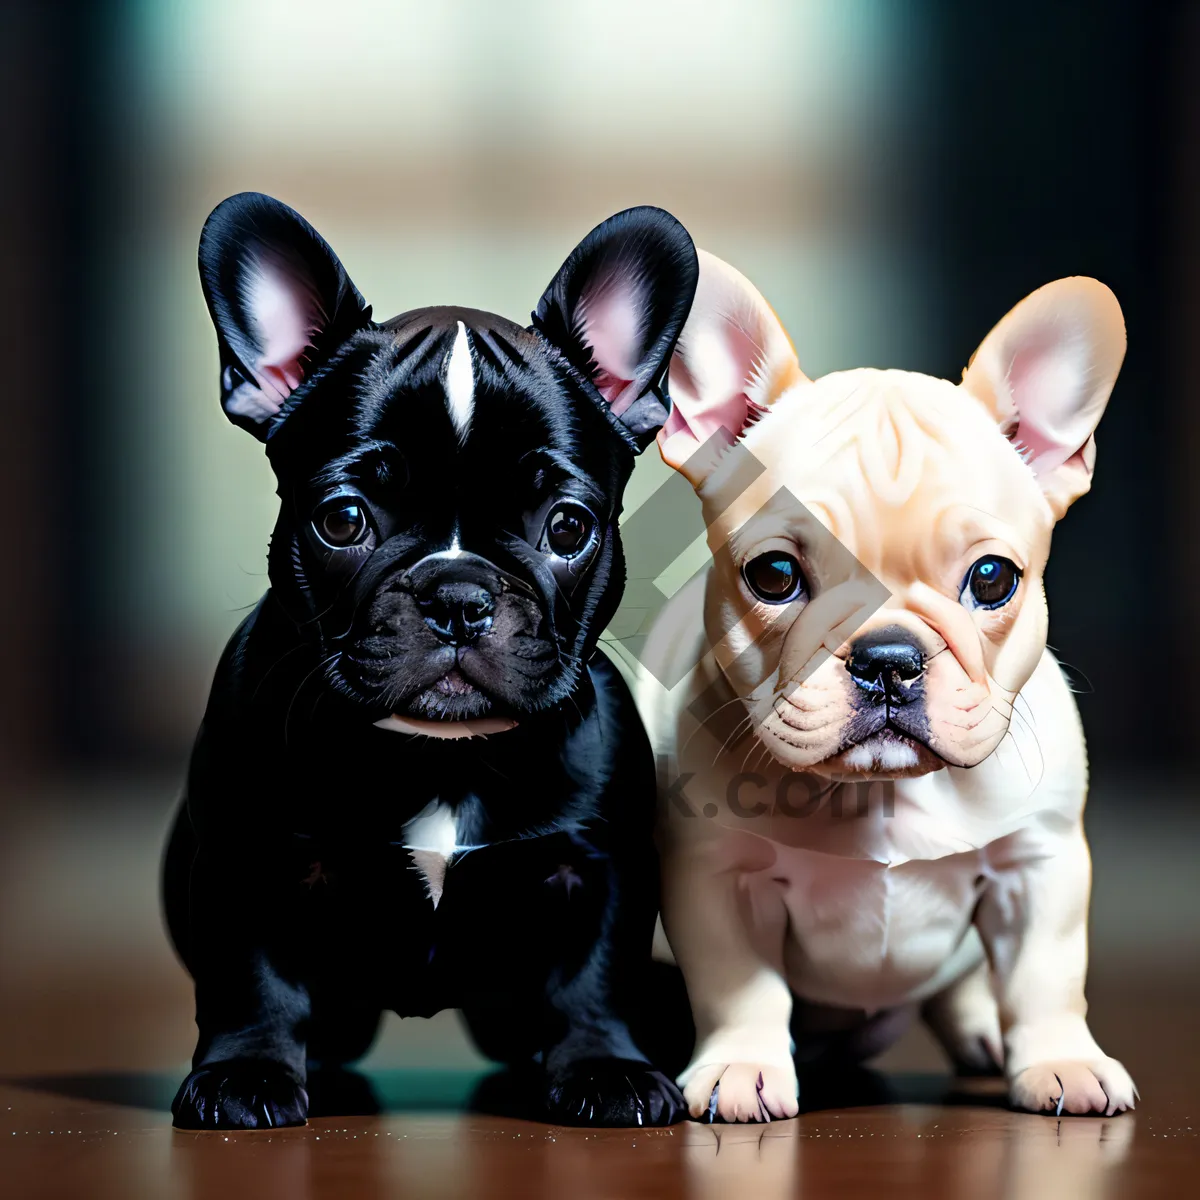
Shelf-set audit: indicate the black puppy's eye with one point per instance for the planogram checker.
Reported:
(568, 529)
(990, 583)
(341, 523)
(774, 577)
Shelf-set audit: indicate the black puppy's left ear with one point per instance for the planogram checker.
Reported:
(616, 308)
(279, 299)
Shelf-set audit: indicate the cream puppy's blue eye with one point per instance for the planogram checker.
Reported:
(774, 577)
(990, 583)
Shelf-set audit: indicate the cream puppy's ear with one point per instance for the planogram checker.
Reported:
(1046, 372)
(733, 361)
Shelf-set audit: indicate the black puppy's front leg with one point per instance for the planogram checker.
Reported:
(251, 1010)
(248, 1069)
(595, 1072)
(597, 1076)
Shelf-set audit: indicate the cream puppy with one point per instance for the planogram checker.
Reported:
(875, 771)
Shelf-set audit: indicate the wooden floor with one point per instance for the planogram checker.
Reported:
(95, 1031)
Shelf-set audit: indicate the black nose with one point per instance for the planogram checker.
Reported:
(457, 611)
(885, 665)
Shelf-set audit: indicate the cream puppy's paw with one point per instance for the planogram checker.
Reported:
(741, 1092)
(1097, 1086)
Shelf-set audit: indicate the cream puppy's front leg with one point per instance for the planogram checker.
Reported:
(742, 1068)
(1033, 920)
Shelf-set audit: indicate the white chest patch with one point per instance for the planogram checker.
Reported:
(434, 829)
(460, 383)
(431, 838)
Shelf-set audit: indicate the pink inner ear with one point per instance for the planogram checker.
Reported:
(1046, 378)
(709, 384)
(702, 422)
(610, 322)
(286, 314)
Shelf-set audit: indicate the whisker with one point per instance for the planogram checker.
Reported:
(299, 688)
(754, 746)
(285, 655)
(1026, 723)
(739, 731)
(701, 724)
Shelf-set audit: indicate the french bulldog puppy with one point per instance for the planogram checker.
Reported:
(418, 783)
(876, 774)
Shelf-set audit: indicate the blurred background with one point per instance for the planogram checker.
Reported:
(893, 174)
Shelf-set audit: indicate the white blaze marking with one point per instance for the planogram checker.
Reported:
(460, 383)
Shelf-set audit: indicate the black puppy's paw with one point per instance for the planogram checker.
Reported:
(616, 1092)
(242, 1093)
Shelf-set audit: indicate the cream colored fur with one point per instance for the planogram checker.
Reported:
(971, 849)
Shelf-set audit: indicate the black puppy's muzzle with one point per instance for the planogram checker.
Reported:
(456, 595)
(458, 613)
(450, 637)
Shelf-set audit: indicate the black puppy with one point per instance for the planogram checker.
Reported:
(419, 784)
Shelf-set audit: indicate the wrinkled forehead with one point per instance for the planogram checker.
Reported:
(442, 371)
(884, 461)
(447, 396)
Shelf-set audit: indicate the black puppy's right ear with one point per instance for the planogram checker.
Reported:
(616, 308)
(279, 299)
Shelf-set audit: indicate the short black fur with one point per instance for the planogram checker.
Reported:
(425, 568)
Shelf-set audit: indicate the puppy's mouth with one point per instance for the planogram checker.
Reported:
(453, 707)
(453, 697)
(509, 679)
(888, 749)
